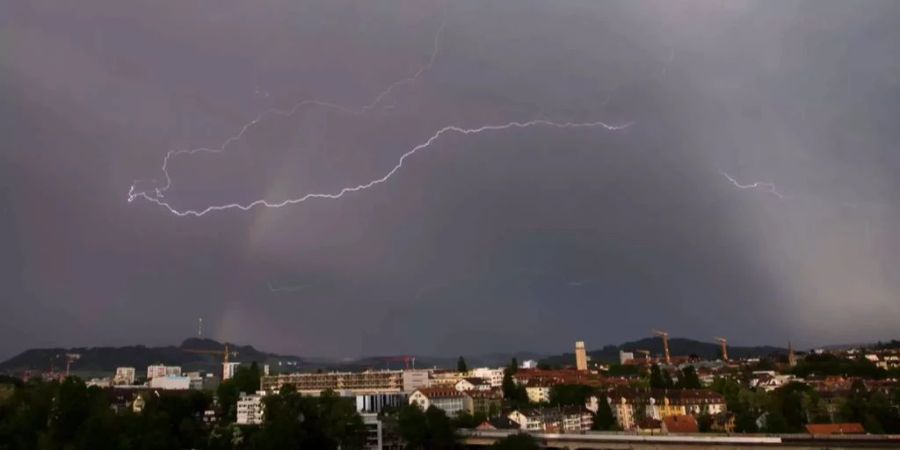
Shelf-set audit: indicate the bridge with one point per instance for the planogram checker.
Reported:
(613, 441)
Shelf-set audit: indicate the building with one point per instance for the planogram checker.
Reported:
(104, 382)
(374, 432)
(171, 382)
(494, 377)
(488, 402)
(160, 370)
(414, 379)
(350, 383)
(447, 399)
(661, 403)
(624, 356)
(445, 377)
(768, 380)
(250, 408)
(528, 364)
(124, 375)
(229, 369)
(472, 384)
(538, 391)
(552, 420)
(197, 380)
(376, 403)
(580, 356)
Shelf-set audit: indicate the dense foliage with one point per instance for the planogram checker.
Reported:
(789, 408)
(69, 415)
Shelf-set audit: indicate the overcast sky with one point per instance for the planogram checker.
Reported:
(516, 239)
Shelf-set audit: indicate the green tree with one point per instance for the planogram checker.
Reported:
(247, 379)
(461, 366)
(667, 380)
(227, 395)
(518, 441)
(513, 393)
(689, 379)
(429, 430)
(570, 394)
(442, 434)
(656, 378)
(603, 419)
(324, 422)
(413, 426)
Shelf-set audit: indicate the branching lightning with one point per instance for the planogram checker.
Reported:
(762, 186)
(157, 195)
(361, 187)
(159, 191)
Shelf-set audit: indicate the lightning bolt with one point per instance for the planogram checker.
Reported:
(157, 195)
(762, 186)
(368, 185)
(159, 191)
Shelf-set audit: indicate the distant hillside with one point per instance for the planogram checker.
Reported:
(106, 359)
(96, 360)
(677, 347)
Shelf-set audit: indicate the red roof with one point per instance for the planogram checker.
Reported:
(835, 428)
(680, 424)
(441, 392)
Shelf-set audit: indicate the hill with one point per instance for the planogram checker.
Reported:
(106, 359)
(99, 360)
(677, 347)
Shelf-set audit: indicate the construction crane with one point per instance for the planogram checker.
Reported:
(409, 362)
(225, 355)
(665, 338)
(724, 343)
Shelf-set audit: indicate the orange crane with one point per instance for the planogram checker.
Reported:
(408, 361)
(225, 354)
(724, 343)
(665, 338)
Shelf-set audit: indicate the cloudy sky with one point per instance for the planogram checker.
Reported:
(753, 196)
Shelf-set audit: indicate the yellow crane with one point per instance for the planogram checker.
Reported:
(225, 354)
(665, 338)
(724, 343)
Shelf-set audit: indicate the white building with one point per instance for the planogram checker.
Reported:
(414, 379)
(527, 364)
(374, 432)
(449, 400)
(124, 375)
(538, 392)
(196, 380)
(624, 356)
(104, 382)
(472, 384)
(229, 369)
(171, 382)
(250, 408)
(494, 377)
(528, 420)
(160, 370)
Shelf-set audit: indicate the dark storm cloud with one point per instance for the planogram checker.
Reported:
(511, 240)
